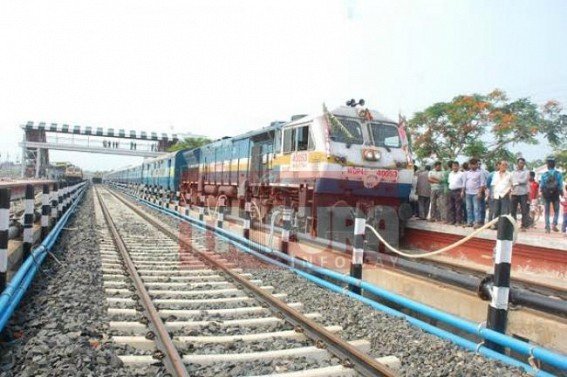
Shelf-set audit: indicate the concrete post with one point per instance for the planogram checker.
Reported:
(54, 203)
(4, 230)
(28, 221)
(45, 210)
(60, 200)
(220, 216)
(247, 209)
(358, 248)
(201, 207)
(498, 310)
(286, 225)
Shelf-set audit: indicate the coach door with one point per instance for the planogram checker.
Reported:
(260, 157)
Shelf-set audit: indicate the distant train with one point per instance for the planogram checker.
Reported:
(328, 164)
(66, 171)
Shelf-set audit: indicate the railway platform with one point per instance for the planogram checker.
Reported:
(537, 257)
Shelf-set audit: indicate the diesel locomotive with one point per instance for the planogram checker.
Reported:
(326, 164)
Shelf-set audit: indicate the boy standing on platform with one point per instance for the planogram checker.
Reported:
(534, 195)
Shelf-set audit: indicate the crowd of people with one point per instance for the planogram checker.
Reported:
(468, 195)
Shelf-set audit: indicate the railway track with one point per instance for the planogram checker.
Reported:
(539, 288)
(182, 309)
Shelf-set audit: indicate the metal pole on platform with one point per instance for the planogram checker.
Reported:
(54, 202)
(247, 209)
(286, 225)
(4, 229)
(28, 221)
(498, 310)
(358, 248)
(45, 210)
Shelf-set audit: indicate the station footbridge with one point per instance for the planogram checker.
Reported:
(41, 137)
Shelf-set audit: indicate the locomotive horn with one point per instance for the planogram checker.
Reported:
(361, 102)
(351, 103)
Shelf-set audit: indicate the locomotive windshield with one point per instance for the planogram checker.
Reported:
(348, 131)
(384, 135)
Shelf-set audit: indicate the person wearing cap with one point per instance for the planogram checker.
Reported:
(553, 198)
(519, 194)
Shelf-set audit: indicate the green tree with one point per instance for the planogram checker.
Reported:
(484, 126)
(189, 143)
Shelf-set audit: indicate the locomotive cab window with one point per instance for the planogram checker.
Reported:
(347, 131)
(385, 135)
(297, 139)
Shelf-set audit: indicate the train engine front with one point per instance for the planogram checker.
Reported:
(343, 159)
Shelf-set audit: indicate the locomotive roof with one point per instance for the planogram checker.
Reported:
(352, 112)
(341, 111)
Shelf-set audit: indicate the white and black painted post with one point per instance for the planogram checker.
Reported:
(247, 209)
(201, 207)
(498, 310)
(54, 203)
(220, 215)
(286, 225)
(4, 229)
(358, 248)
(45, 210)
(60, 200)
(28, 221)
(66, 192)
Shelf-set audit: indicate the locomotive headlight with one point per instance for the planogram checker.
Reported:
(371, 155)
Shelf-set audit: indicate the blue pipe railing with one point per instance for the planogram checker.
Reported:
(551, 358)
(18, 285)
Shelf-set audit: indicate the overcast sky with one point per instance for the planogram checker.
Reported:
(224, 67)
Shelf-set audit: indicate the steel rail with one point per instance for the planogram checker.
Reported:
(173, 361)
(350, 356)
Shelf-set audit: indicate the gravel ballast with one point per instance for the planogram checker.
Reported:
(61, 326)
(421, 353)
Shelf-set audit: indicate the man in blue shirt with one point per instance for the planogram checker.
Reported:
(551, 187)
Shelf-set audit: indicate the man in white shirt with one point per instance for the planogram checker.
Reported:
(456, 183)
(500, 190)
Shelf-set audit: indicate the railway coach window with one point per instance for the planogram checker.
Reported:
(297, 139)
(384, 135)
